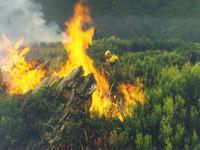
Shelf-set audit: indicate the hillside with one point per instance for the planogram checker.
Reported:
(155, 19)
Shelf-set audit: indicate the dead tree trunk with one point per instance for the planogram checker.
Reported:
(71, 115)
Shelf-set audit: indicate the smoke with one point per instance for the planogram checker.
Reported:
(24, 18)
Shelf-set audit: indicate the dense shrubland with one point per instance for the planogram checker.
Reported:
(170, 118)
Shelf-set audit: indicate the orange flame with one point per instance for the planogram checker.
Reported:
(133, 95)
(76, 42)
(17, 73)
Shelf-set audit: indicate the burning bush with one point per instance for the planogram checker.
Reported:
(19, 75)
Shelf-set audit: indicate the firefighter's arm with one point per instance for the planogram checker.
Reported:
(113, 59)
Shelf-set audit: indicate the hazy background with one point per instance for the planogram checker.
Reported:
(43, 20)
(24, 18)
(153, 19)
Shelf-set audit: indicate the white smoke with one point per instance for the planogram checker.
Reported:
(24, 18)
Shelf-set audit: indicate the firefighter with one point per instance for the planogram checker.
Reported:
(110, 63)
(110, 59)
(110, 67)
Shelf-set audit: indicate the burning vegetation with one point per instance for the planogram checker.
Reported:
(79, 38)
(66, 96)
(21, 76)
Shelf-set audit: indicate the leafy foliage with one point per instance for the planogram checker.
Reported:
(170, 72)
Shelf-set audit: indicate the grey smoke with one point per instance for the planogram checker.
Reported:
(24, 18)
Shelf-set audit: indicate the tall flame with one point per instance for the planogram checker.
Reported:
(78, 37)
(18, 74)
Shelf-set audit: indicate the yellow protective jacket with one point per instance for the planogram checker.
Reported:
(113, 59)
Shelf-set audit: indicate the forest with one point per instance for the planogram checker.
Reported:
(153, 19)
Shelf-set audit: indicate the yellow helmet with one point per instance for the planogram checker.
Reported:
(108, 52)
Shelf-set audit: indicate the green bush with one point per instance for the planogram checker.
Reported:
(170, 72)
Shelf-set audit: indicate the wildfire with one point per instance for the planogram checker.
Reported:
(21, 76)
(132, 94)
(78, 37)
(18, 74)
